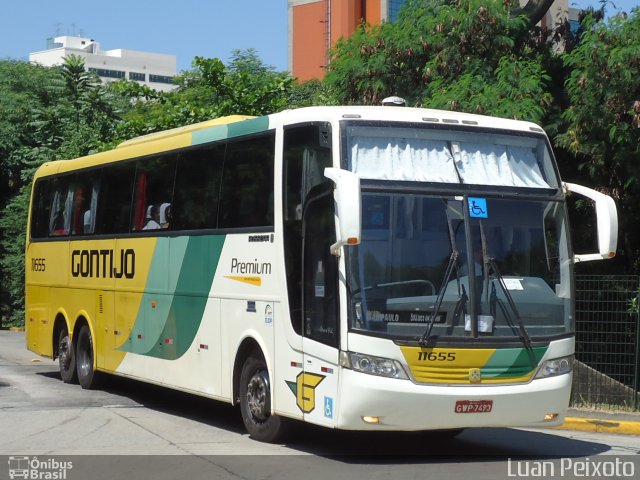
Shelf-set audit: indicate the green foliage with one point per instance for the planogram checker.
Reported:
(603, 118)
(604, 88)
(517, 92)
(245, 86)
(465, 55)
(65, 112)
(47, 114)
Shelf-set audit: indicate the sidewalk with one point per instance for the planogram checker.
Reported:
(585, 420)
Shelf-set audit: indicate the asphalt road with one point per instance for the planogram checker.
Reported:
(130, 429)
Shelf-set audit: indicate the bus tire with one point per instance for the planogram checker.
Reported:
(255, 402)
(67, 358)
(87, 376)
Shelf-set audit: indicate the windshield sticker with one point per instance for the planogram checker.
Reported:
(485, 323)
(404, 316)
(478, 207)
(513, 283)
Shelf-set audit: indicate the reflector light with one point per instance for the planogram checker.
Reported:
(368, 419)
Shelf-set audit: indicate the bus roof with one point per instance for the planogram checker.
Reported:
(404, 114)
(237, 125)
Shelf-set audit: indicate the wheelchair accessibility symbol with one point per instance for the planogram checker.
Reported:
(328, 407)
(478, 208)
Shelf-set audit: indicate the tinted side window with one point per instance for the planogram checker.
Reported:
(153, 193)
(85, 189)
(320, 271)
(61, 206)
(114, 211)
(246, 195)
(306, 154)
(41, 208)
(195, 202)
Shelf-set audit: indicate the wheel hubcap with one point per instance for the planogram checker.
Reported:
(64, 353)
(84, 365)
(258, 395)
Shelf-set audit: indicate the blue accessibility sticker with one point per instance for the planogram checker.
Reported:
(478, 207)
(328, 407)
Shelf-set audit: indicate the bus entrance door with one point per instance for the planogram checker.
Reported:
(318, 394)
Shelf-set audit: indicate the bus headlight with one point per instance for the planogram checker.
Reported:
(557, 366)
(382, 367)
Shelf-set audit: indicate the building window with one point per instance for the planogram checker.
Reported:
(139, 77)
(103, 72)
(394, 9)
(160, 79)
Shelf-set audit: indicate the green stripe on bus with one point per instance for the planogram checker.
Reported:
(169, 328)
(154, 309)
(512, 362)
(237, 129)
(247, 127)
(212, 134)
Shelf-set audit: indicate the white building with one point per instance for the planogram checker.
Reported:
(155, 70)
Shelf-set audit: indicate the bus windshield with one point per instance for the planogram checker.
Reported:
(427, 154)
(422, 265)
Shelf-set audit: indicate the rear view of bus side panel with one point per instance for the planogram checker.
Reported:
(46, 275)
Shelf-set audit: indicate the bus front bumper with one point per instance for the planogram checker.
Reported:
(375, 403)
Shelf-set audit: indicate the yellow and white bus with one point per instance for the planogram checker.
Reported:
(360, 268)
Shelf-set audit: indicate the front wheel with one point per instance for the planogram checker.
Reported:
(67, 358)
(255, 402)
(87, 376)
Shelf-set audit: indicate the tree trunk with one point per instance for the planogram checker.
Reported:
(534, 10)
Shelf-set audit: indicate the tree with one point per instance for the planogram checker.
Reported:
(246, 86)
(534, 10)
(470, 55)
(603, 119)
(61, 112)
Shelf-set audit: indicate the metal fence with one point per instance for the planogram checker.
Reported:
(607, 371)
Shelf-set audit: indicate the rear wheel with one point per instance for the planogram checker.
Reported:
(255, 402)
(67, 358)
(87, 376)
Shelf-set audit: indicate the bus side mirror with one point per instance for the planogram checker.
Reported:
(607, 218)
(348, 207)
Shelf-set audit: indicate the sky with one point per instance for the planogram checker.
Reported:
(185, 28)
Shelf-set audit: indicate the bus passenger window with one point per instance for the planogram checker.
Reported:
(41, 209)
(153, 189)
(114, 210)
(61, 204)
(85, 201)
(246, 195)
(195, 199)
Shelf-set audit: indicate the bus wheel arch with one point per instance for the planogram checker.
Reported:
(64, 350)
(253, 390)
(248, 347)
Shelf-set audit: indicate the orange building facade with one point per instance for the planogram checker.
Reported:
(316, 25)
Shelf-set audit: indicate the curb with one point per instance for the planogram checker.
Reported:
(601, 426)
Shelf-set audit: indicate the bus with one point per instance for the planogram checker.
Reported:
(358, 268)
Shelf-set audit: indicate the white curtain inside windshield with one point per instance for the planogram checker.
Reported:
(412, 154)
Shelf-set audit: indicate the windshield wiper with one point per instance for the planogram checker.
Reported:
(453, 259)
(524, 334)
(453, 264)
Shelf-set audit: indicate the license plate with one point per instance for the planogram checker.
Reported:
(474, 406)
